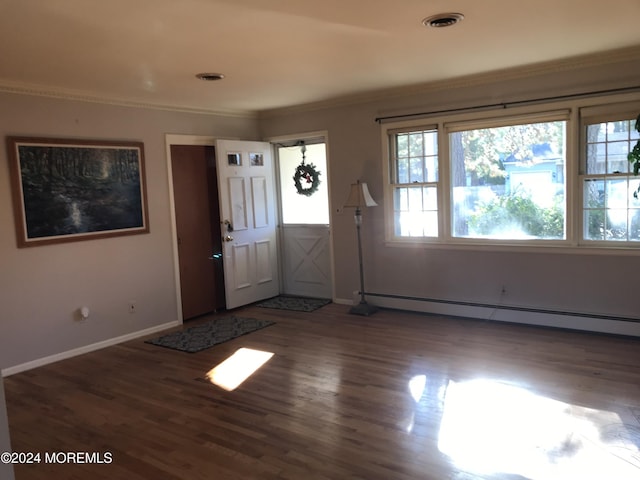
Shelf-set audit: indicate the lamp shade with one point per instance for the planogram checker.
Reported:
(359, 196)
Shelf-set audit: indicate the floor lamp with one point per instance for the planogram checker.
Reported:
(359, 196)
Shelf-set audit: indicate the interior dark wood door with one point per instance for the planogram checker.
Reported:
(198, 229)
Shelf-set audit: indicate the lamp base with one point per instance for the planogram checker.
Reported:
(363, 308)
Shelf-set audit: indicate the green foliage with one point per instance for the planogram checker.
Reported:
(517, 210)
(634, 156)
(484, 149)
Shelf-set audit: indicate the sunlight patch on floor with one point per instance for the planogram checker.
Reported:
(490, 427)
(230, 374)
(417, 386)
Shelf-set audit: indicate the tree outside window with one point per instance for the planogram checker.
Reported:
(509, 182)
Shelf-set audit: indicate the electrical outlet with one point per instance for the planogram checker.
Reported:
(132, 307)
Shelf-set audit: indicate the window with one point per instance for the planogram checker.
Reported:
(302, 209)
(415, 183)
(611, 210)
(530, 176)
(509, 182)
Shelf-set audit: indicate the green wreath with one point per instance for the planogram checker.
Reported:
(310, 176)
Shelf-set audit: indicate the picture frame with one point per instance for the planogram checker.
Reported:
(234, 159)
(256, 159)
(67, 190)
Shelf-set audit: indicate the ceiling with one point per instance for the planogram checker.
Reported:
(280, 53)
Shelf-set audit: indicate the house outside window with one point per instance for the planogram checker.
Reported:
(508, 182)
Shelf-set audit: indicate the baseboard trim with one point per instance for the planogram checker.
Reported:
(343, 301)
(23, 367)
(512, 314)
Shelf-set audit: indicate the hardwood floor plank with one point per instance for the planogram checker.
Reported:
(393, 396)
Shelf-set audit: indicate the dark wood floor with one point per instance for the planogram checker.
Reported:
(393, 396)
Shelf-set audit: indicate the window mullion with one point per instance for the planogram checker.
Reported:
(444, 189)
(574, 148)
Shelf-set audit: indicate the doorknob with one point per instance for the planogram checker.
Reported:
(228, 238)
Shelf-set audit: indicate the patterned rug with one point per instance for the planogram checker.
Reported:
(201, 337)
(299, 304)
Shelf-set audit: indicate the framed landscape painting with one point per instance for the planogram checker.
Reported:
(68, 190)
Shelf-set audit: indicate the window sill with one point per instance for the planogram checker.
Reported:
(507, 247)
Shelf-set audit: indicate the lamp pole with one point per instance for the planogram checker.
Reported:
(358, 218)
(359, 196)
(363, 308)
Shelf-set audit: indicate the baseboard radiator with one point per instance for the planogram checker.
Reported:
(616, 325)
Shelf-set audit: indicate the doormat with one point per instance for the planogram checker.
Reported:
(299, 304)
(201, 337)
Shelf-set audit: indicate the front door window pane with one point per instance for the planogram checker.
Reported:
(298, 208)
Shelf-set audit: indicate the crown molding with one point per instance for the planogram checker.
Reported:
(629, 54)
(88, 97)
(509, 74)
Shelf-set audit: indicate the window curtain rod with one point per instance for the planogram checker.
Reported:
(504, 105)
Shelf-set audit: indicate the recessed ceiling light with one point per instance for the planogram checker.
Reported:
(209, 77)
(442, 20)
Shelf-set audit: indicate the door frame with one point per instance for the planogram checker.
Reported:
(177, 139)
(324, 134)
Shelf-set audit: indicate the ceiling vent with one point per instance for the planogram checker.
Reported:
(443, 20)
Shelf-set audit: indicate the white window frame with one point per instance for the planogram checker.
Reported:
(393, 184)
(575, 112)
(593, 115)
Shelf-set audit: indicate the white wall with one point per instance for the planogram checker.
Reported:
(42, 287)
(575, 282)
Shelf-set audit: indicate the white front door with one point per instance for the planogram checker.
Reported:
(248, 217)
(306, 246)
